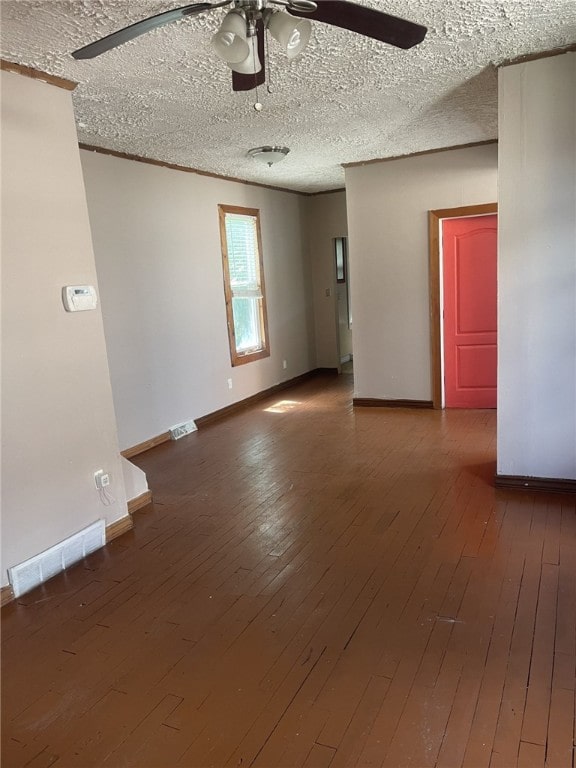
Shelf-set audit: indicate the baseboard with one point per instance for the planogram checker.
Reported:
(241, 405)
(139, 501)
(524, 483)
(6, 595)
(320, 371)
(228, 410)
(146, 445)
(119, 527)
(374, 402)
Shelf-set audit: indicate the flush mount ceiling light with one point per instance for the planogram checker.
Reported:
(268, 155)
(240, 39)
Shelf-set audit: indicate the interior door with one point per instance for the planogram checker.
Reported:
(469, 247)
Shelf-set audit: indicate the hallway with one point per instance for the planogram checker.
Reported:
(314, 585)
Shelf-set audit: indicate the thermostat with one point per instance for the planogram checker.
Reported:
(79, 298)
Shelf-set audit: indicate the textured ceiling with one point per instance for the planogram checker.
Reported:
(346, 99)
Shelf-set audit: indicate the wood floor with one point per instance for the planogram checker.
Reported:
(314, 586)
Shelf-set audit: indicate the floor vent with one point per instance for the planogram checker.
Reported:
(31, 573)
(182, 429)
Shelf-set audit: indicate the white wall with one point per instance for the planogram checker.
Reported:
(537, 269)
(135, 481)
(388, 206)
(344, 330)
(325, 220)
(58, 423)
(157, 245)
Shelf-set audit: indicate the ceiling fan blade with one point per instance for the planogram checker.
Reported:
(139, 28)
(242, 82)
(365, 21)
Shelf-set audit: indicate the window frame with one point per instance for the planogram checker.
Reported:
(236, 357)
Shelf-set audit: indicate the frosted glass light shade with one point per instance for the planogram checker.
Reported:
(269, 154)
(230, 42)
(250, 65)
(292, 33)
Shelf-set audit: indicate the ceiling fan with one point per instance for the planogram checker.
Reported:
(240, 38)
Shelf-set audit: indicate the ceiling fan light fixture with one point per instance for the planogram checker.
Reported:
(230, 42)
(240, 39)
(268, 154)
(292, 33)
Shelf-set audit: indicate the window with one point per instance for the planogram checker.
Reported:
(341, 261)
(341, 258)
(244, 283)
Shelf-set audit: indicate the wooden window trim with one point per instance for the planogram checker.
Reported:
(238, 358)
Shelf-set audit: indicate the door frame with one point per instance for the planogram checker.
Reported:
(435, 273)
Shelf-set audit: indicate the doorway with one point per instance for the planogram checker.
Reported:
(463, 306)
(343, 309)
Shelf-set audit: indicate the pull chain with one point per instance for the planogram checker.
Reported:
(257, 106)
(267, 56)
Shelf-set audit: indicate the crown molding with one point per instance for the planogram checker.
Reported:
(37, 74)
(184, 168)
(535, 56)
(420, 154)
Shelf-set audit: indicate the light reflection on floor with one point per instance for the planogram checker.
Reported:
(282, 406)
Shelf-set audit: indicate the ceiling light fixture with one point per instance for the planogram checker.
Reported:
(268, 155)
(292, 34)
(235, 41)
(230, 41)
(236, 44)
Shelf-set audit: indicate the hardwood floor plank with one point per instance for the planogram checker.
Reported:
(456, 732)
(137, 742)
(514, 670)
(565, 641)
(258, 735)
(535, 723)
(320, 756)
(15, 752)
(354, 735)
(560, 743)
(531, 755)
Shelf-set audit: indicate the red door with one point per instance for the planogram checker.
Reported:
(469, 264)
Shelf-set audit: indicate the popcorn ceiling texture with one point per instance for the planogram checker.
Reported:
(346, 99)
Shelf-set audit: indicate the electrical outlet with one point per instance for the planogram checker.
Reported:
(229, 383)
(101, 479)
(284, 364)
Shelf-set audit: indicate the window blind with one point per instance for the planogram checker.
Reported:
(243, 257)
